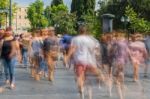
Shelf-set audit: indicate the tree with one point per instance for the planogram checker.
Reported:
(137, 24)
(35, 14)
(4, 5)
(60, 17)
(74, 6)
(52, 11)
(118, 7)
(142, 7)
(56, 2)
(85, 11)
(89, 7)
(83, 7)
(48, 15)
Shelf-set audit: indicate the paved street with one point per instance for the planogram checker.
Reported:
(64, 87)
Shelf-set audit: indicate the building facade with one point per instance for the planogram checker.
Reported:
(20, 21)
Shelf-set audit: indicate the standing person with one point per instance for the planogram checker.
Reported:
(10, 51)
(82, 51)
(106, 58)
(50, 49)
(1, 43)
(138, 54)
(147, 44)
(65, 44)
(25, 42)
(36, 50)
(2, 33)
(43, 64)
(106, 62)
(120, 53)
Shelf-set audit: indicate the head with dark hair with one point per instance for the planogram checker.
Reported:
(51, 31)
(2, 33)
(8, 32)
(44, 32)
(8, 29)
(83, 29)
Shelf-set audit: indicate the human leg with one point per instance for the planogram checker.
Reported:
(12, 65)
(120, 81)
(136, 70)
(6, 70)
(80, 79)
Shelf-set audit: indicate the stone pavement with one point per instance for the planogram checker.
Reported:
(64, 87)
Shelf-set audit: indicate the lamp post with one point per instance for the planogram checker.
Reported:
(125, 20)
(16, 23)
(10, 13)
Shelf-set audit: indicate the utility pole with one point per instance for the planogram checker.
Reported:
(10, 13)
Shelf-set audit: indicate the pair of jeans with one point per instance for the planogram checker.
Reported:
(9, 65)
(43, 65)
(25, 56)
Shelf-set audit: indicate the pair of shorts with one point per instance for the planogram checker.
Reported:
(80, 69)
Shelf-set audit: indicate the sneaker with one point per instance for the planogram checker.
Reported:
(7, 82)
(12, 86)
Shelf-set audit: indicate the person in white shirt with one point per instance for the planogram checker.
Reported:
(82, 51)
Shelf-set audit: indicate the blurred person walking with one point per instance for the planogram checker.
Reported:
(138, 54)
(10, 53)
(50, 50)
(147, 44)
(82, 51)
(120, 53)
(36, 51)
(2, 32)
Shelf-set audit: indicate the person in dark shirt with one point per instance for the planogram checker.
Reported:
(9, 54)
(50, 49)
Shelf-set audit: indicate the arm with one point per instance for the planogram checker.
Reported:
(72, 49)
(15, 50)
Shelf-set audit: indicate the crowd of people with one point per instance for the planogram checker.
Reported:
(105, 57)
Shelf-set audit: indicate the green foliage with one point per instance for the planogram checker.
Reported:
(140, 12)
(93, 24)
(85, 11)
(56, 2)
(83, 7)
(137, 24)
(50, 12)
(60, 17)
(36, 16)
(142, 7)
(4, 5)
(65, 23)
(74, 6)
